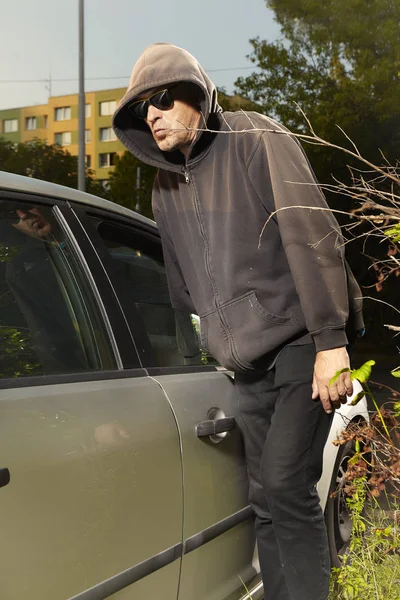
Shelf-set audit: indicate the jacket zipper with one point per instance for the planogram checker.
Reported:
(207, 261)
(202, 232)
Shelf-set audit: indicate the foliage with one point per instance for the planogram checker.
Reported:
(362, 374)
(236, 102)
(123, 181)
(339, 61)
(16, 354)
(371, 566)
(49, 162)
(394, 233)
(360, 39)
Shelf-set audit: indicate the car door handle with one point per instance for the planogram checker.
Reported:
(212, 427)
(4, 477)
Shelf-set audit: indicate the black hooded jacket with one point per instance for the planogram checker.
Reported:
(256, 287)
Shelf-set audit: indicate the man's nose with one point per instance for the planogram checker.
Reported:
(153, 114)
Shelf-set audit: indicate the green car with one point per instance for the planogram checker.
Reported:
(122, 473)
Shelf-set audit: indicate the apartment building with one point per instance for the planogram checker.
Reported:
(57, 123)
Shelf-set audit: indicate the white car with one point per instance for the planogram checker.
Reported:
(122, 473)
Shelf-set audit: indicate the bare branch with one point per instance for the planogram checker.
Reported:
(350, 140)
(393, 327)
(319, 208)
(377, 300)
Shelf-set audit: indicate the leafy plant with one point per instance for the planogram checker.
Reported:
(394, 233)
(371, 566)
(16, 356)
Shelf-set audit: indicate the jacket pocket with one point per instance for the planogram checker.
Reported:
(268, 316)
(241, 331)
(254, 331)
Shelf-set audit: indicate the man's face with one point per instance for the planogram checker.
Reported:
(32, 223)
(174, 129)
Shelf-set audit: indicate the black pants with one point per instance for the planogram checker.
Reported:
(284, 433)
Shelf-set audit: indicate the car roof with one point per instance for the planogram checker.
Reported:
(19, 183)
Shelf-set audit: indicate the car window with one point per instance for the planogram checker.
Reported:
(49, 321)
(173, 335)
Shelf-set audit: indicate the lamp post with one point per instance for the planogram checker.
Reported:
(81, 104)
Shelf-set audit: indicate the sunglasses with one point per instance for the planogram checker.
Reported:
(162, 100)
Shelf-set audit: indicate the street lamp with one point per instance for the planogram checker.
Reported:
(81, 103)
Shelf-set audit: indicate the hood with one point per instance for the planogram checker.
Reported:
(161, 65)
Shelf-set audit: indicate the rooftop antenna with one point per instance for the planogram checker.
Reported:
(48, 84)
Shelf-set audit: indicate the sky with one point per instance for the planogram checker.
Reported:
(39, 40)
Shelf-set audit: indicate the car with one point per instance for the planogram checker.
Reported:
(122, 473)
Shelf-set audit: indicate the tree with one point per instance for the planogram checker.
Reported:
(123, 182)
(338, 60)
(49, 162)
(235, 102)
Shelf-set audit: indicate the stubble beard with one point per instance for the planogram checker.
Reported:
(174, 141)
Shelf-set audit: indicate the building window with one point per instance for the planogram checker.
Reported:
(107, 159)
(10, 125)
(88, 136)
(62, 114)
(45, 121)
(107, 134)
(88, 110)
(30, 123)
(88, 161)
(107, 108)
(63, 139)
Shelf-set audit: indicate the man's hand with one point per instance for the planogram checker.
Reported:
(327, 363)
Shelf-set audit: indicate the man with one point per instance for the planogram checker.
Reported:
(274, 310)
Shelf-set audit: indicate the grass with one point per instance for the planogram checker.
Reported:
(371, 566)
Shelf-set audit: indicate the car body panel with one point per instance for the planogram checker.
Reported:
(215, 487)
(158, 585)
(95, 486)
(19, 183)
(215, 571)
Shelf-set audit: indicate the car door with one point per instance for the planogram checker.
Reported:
(218, 534)
(90, 460)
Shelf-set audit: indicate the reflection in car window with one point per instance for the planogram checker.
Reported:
(48, 320)
(173, 334)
